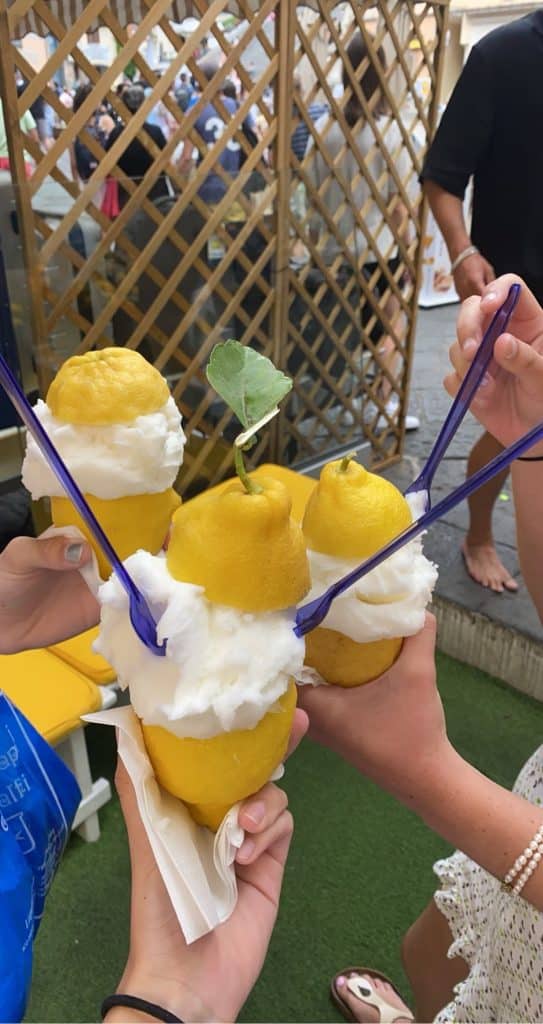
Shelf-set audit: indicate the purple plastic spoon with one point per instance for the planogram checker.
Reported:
(310, 615)
(421, 486)
(141, 616)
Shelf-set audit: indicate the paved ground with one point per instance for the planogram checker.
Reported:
(513, 612)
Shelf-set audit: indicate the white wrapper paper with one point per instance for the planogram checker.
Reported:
(197, 867)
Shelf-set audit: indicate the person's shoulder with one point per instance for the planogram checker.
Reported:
(153, 129)
(502, 43)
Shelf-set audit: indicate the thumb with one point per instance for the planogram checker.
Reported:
(299, 728)
(27, 554)
(520, 359)
(420, 648)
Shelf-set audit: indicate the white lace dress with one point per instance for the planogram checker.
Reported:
(499, 935)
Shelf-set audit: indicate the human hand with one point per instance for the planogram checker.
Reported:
(472, 275)
(510, 401)
(43, 597)
(210, 979)
(393, 729)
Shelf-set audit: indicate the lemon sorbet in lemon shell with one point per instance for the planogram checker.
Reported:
(110, 415)
(350, 515)
(216, 712)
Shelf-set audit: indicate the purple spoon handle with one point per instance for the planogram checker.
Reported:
(310, 615)
(140, 613)
(469, 386)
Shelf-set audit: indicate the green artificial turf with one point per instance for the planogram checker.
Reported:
(358, 874)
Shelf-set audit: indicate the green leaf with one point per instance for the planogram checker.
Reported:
(247, 381)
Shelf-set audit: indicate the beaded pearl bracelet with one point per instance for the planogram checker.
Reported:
(525, 864)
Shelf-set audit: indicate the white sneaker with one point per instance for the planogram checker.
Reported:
(392, 408)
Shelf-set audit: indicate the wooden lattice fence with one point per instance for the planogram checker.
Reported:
(283, 256)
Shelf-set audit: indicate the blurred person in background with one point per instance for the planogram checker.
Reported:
(28, 127)
(301, 133)
(210, 126)
(490, 130)
(184, 91)
(136, 159)
(348, 240)
(83, 161)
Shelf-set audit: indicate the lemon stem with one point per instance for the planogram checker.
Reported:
(344, 465)
(251, 486)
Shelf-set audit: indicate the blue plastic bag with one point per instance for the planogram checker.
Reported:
(39, 797)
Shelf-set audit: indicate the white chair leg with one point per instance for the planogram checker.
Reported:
(73, 750)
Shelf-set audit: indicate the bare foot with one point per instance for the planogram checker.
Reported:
(486, 568)
(362, 1010)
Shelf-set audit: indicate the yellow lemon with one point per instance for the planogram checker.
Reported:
(343, 662)
(244, 549)
(211, 775)
(111, 385)
(351, 514)
(134, 522)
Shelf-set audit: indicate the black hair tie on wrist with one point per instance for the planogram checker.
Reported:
(529, 458)
(135, 1003)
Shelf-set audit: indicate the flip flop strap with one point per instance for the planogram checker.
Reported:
(387, 1014)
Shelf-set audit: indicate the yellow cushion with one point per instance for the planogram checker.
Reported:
(51, 694)
(78, 652)
(298, 485)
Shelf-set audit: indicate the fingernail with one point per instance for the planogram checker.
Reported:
(246, 850)
(510, 348)
(255, 812)
(470, 347)
(485, 381)
(489, 297)
(340, 981)
(73, 553)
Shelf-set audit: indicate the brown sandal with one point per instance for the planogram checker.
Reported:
(364, 991)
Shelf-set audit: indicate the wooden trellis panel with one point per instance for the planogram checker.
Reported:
(148, 280)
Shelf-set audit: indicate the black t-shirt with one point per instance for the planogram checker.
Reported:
(136, 160)
(492, 128)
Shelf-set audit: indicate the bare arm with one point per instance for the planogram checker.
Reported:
(73, 166)
(487, 822)
(400, 219)
(393, 731)
(449, 214)
(185, 162)
(475, 271)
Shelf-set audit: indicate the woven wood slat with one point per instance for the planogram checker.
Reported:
(324, 322)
